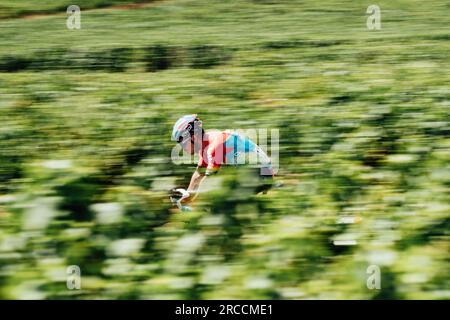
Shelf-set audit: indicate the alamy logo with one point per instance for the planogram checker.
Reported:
(73, 277)
(374, 279)
(245, 147)
(74, 19)
(374, 20)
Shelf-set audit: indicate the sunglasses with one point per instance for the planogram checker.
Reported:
(184, 138)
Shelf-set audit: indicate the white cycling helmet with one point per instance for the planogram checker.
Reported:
(185, 126)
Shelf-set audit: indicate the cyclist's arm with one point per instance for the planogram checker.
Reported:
(205, 167)
(196, 179)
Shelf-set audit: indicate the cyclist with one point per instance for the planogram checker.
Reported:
(216, 148)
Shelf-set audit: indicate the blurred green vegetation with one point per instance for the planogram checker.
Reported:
(85, 147)
(15, 9)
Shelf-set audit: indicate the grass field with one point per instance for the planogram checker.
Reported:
(85, 166)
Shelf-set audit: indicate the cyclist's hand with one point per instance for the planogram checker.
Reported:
(178, 194)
